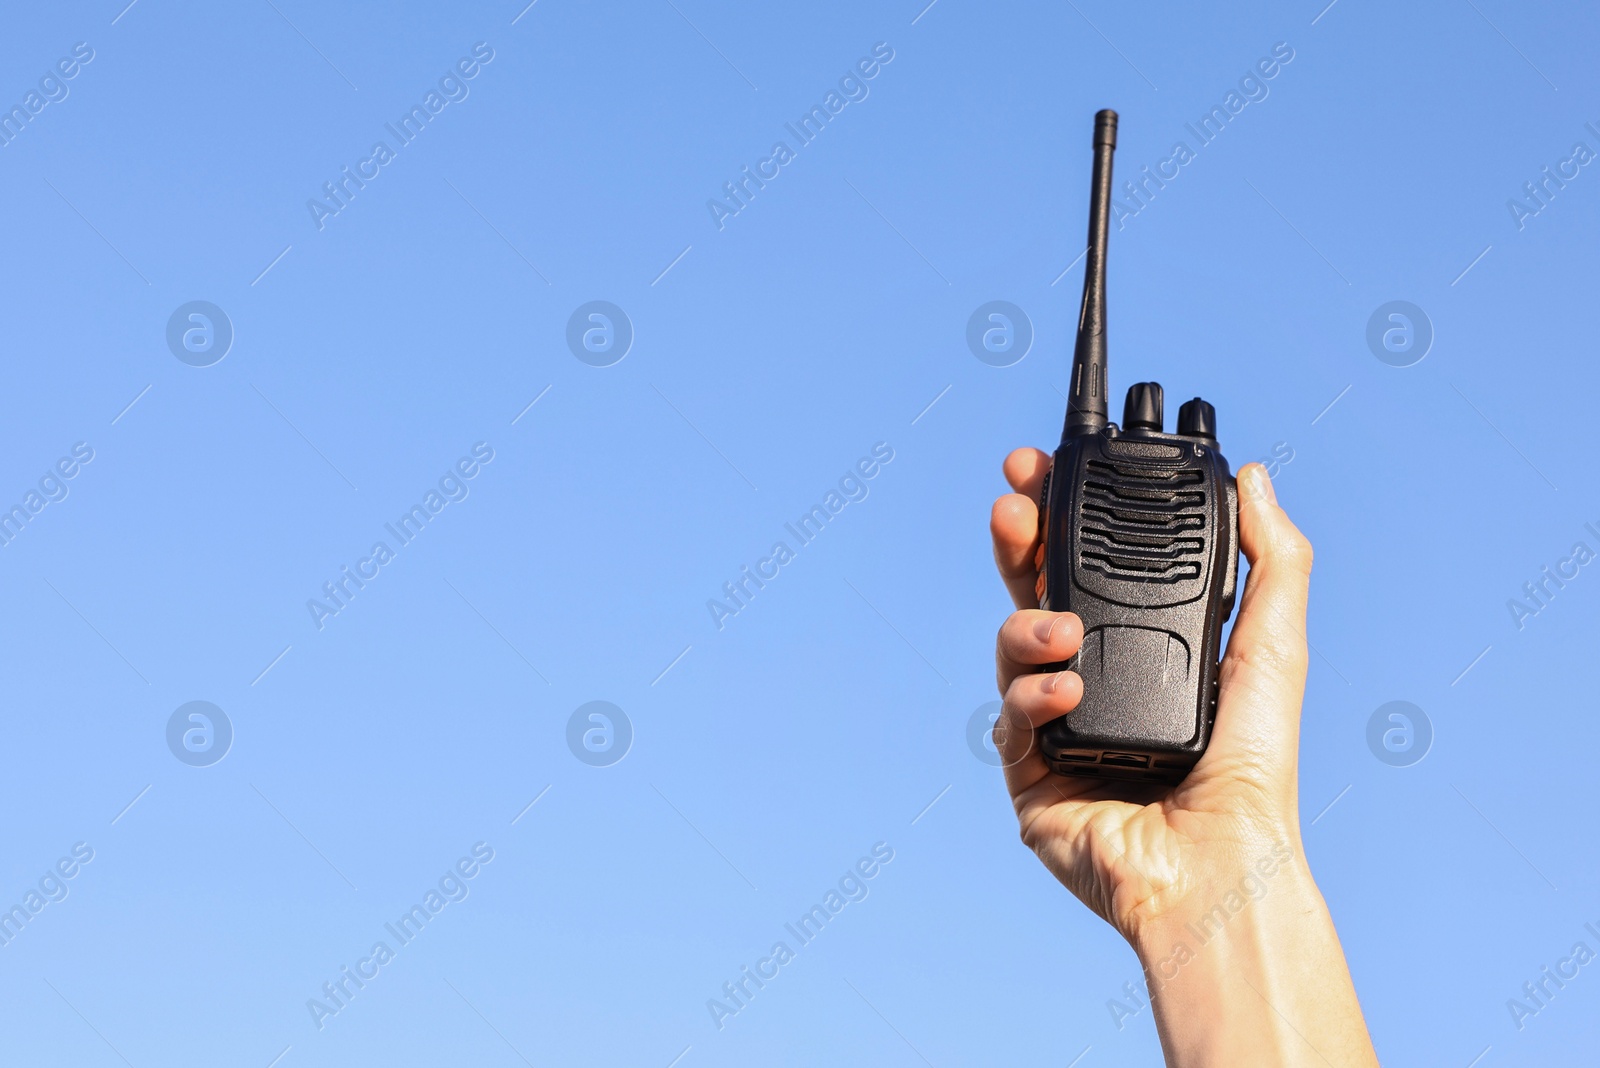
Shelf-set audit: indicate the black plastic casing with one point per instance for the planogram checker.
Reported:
(1139, 537)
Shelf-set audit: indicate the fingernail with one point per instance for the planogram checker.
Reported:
(1042, 628)
(1052, 681)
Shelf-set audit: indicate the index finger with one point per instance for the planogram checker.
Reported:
(1014, 525)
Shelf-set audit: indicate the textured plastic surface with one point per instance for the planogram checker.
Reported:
(1140, 540)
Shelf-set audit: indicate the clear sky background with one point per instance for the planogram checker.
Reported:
(768, 355)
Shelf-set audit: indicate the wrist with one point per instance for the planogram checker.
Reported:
(1237, 903)
(1247, 970)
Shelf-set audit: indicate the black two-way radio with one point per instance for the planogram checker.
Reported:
(1139, 535)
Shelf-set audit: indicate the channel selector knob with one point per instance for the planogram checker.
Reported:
(1198, 419)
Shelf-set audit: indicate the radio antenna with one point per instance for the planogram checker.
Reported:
(1086, 403)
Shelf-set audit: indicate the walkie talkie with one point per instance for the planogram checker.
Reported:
(1139, 535)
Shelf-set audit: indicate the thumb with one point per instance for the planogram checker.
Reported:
(1263, 675)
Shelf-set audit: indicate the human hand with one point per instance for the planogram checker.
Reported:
(1135, 861)
(1173, 867)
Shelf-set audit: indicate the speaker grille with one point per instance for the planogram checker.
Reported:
(1141, 524)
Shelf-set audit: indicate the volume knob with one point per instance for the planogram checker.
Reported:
(1142, 409)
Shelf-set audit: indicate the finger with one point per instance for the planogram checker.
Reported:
(1035, 700)
(1014, 526)
(1031, 638)
(1263, 675)
(1025, 470)
(1017, 742)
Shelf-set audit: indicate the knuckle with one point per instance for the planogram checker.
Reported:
(1005, 639)
(1296, 549)
(1290, 550)
(1276, 658)
(1005, 676)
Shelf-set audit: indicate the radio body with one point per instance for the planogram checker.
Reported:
(1138, 537)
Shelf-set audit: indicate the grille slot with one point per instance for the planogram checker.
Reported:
(1142, 525)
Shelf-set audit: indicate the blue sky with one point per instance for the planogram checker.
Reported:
(769, 352)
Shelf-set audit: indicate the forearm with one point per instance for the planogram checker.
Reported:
(1250, 972)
